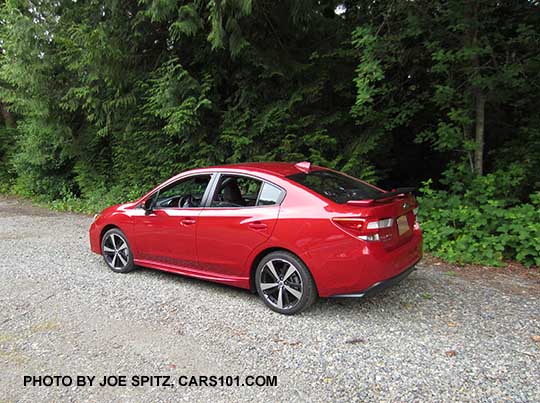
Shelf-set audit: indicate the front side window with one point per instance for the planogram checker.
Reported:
(335, 186)
(184, 193)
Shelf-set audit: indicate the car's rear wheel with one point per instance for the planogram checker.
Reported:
(116, 251)
(284, 283)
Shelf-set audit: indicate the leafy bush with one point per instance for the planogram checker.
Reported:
(478, 226)
(95, 201)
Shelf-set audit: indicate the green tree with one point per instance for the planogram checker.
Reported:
(100, 100)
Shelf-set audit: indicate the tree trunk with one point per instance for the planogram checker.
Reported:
(7, 116)
(479, 135)
(468, 131)
(478, 98)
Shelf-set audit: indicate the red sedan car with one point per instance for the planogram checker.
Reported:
(291, 232)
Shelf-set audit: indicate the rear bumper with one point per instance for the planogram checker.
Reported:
(349, 266)
(381, 285)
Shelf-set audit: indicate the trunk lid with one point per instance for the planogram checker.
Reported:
(398, 205)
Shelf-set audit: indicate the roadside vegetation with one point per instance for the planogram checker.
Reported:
(101, 100)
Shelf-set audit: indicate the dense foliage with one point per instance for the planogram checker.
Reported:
(101, 100)
(481, 227)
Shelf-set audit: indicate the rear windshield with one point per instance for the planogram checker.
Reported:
(335, 186)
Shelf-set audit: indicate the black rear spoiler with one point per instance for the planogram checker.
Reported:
(382, 196)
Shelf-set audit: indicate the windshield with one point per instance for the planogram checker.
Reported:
(335, 186)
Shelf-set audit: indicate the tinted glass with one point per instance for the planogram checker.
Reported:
(270, 195)
(335, 186)
(184, 193)
(236, 191)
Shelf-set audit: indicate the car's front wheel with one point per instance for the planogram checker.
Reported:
(116, 251)
(284, 283)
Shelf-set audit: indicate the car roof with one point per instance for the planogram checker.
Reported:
(274, 168)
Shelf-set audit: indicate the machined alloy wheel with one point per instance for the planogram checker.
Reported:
(284, 283)
(116, 251)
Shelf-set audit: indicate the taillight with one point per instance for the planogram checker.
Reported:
(366, 229)
(353, 226)
(386, 223)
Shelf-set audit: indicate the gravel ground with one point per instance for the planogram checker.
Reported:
(433, 338)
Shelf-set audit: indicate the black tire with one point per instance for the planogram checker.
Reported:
(116, 251)
(292, 291)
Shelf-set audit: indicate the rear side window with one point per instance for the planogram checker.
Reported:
(335, 186)
(236, 191)
(245, 191)
(269, 195)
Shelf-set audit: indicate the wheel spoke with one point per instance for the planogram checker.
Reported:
(124, 246)
(290, 271)
(113, 241)
(267, 286)
(114, 260)
(286, 298)
(270, 265)
(107, 249)
(124, 261)
(297, 294)
(280, 299)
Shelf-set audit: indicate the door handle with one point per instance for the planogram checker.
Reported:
(257, 225)
(187, 221)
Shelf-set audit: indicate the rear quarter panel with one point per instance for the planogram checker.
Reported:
(304, 228)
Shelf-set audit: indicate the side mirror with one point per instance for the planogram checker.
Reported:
(148, 205)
